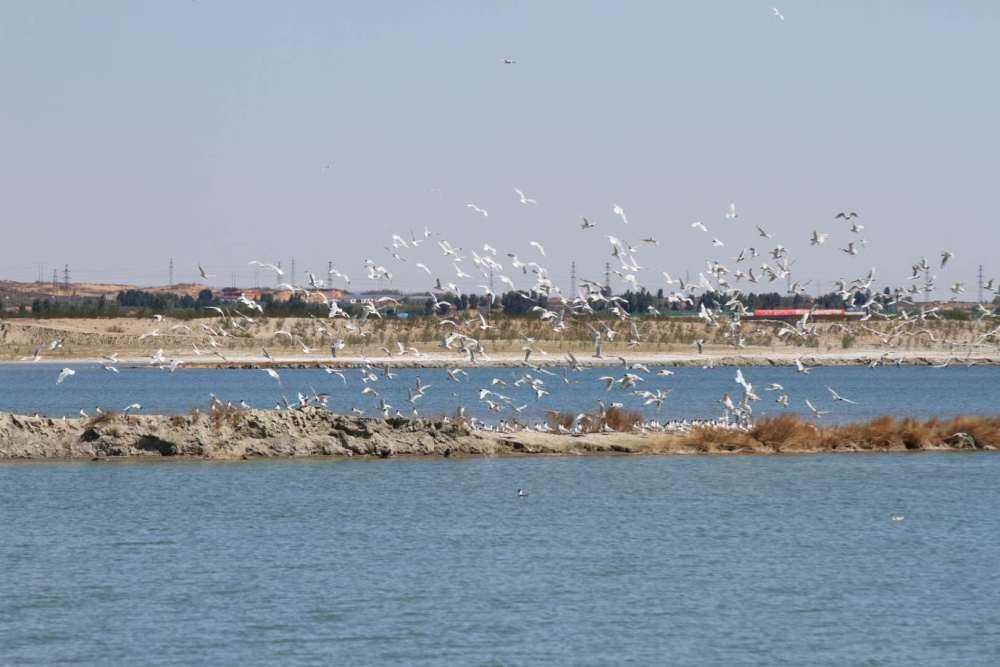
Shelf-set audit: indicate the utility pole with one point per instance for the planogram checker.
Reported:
(980, 283)
(66, 277)
(171, 280)
(291, 276)
(256, 279)
(572, 280)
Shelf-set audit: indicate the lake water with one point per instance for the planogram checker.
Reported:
(903, 391)
(722, 561)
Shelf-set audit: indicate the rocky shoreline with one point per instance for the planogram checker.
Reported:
(312, 432)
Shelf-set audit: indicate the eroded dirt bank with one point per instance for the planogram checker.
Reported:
(234, 434)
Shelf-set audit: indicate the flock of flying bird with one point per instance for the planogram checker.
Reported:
(603, 315)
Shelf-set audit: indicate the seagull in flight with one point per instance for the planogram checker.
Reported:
(620, 212)
(777, 13)
(65, 373)
(818, 238)
(838, 397)
(480, 211)
(524, 200)
(265, 265)
(945, 256)
(698, 225)
(731, 213)
(817, 413)
(204, 276)
(763, 232)
(509, 61)
(845, 216)
(587, 224)
(538, 246)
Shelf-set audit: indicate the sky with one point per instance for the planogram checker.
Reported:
(223, 131)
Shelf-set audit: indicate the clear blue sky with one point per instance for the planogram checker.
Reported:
(136, 131)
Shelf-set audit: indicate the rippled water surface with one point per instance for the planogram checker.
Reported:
(747, 560)
(903, 391)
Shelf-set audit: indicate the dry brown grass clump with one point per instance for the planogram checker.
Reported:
(793, 433)
(985, 431)
(784, 431)
(715, 439)
(623, 421)
(226, 413)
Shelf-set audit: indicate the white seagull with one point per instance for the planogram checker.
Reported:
(838, 397)
(524, 200)
(480, 211)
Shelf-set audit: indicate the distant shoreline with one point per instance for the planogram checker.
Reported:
(552, 360)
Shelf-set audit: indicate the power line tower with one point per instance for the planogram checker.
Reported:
(55, 278)
(66, 277)
(572, 280)
(607, 278)
(980, 283)
(291, 276)
(171, 272)
(329, 271)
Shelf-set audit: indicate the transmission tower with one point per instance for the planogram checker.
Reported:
(607, 278)
(291, 275)
(572, 280)
(171, 281)
(55, 278)
(980, 283)
(66, 277)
